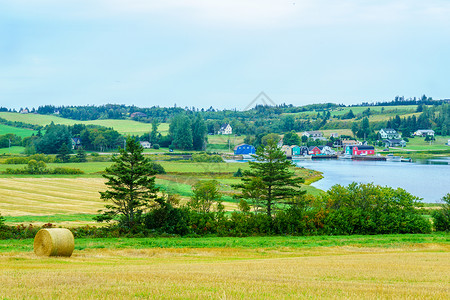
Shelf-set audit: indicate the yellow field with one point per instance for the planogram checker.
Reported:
(418, 272)
(48, 196)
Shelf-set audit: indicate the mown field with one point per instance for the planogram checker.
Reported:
(356, 267)
(71, 200)
(122, 126)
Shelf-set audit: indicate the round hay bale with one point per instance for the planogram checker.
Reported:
(54, 242)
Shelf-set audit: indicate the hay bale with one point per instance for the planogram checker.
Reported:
(54, 242)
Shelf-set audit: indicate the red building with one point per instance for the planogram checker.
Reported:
(360, 150)
(314, 150)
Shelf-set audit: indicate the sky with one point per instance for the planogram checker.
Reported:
(206, 53)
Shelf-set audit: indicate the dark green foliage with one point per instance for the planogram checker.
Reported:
(291, 138)
(64, 153)
(81, 155)
(40, 168)
(441, 217)
(131, 186)
(10, 139)
(54, 137)
(203, 157)
(371, 209)
(156, 146)
(269, 179)
(205, 194)
(238, 173)
(167, 219)
(158, 168)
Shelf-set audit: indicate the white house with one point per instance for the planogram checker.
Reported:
(225, 129)
(146, 145)
(424, 132)
(313, 134)
(389, 133)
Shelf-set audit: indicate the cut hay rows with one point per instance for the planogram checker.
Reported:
(330, 273)
(46, 196)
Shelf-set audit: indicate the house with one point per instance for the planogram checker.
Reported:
(76, 143)
(326, 150)
(448, 143)
(346, 143)
(389, 133)
(394, 143)
(146, 145)
(312, 134)
(287, 150)
(138, 114)
(24, 111)
(424, 132)
(225, 129)
(360, 150)
(314, 150)
(299, 150)
(244, 149)
(334, 135)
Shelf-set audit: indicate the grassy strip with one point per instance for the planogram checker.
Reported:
(50, 219)
(267, 242)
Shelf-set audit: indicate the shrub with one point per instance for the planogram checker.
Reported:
(158, 168)
(156, 146)
(238, 173)
(441, 217)
(203, 157)
(167, 219)
(371, 209)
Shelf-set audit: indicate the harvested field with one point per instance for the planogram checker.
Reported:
(415, 272)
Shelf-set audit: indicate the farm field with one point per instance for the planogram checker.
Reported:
(357, 267)
(22, 132)
(122, 126)
(13, 150)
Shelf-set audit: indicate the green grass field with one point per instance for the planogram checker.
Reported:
(22, 132)
(341, 267)
(12, 150)
(122, 126)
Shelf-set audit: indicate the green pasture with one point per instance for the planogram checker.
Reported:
(267, 242)
(12, 150)
(122, 126)
(22, 132)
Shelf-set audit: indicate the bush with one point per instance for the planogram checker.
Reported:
(203, 157)
(441, 217)
(167, 219)
(158, 168)
(156, 146)
(371, 209)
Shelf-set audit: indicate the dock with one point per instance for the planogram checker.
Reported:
(369, 157)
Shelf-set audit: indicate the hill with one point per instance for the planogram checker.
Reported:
(122, 126)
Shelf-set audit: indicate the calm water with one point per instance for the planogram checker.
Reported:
(429, 179)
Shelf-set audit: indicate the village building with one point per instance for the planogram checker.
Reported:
(138, 114)
(76, 143)
(389, 133)
(287, 150)
(146, 145)
(424, 132)
(334, 135)
(244, 149)
(312, 134)
(394, 143)
(24, 111)
(314, 150)
(346, 143)
(225, 129)
(360, 150)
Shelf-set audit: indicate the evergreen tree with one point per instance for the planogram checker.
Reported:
(64, 153)
(131, 186)
(154, 132)
(276, 183)
(181, 131)
(199, 131)
(81, 155)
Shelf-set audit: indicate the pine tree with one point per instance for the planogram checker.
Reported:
(131, 186)
(277, 184)
(64, 153)
(81, 155)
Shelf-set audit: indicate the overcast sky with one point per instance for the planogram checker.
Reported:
(221, 53)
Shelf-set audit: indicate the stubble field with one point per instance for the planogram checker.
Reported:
(232, 271)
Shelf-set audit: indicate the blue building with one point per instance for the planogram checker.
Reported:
(244, 149)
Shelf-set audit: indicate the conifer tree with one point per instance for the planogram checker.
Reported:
(277, 184)
(131, 186)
